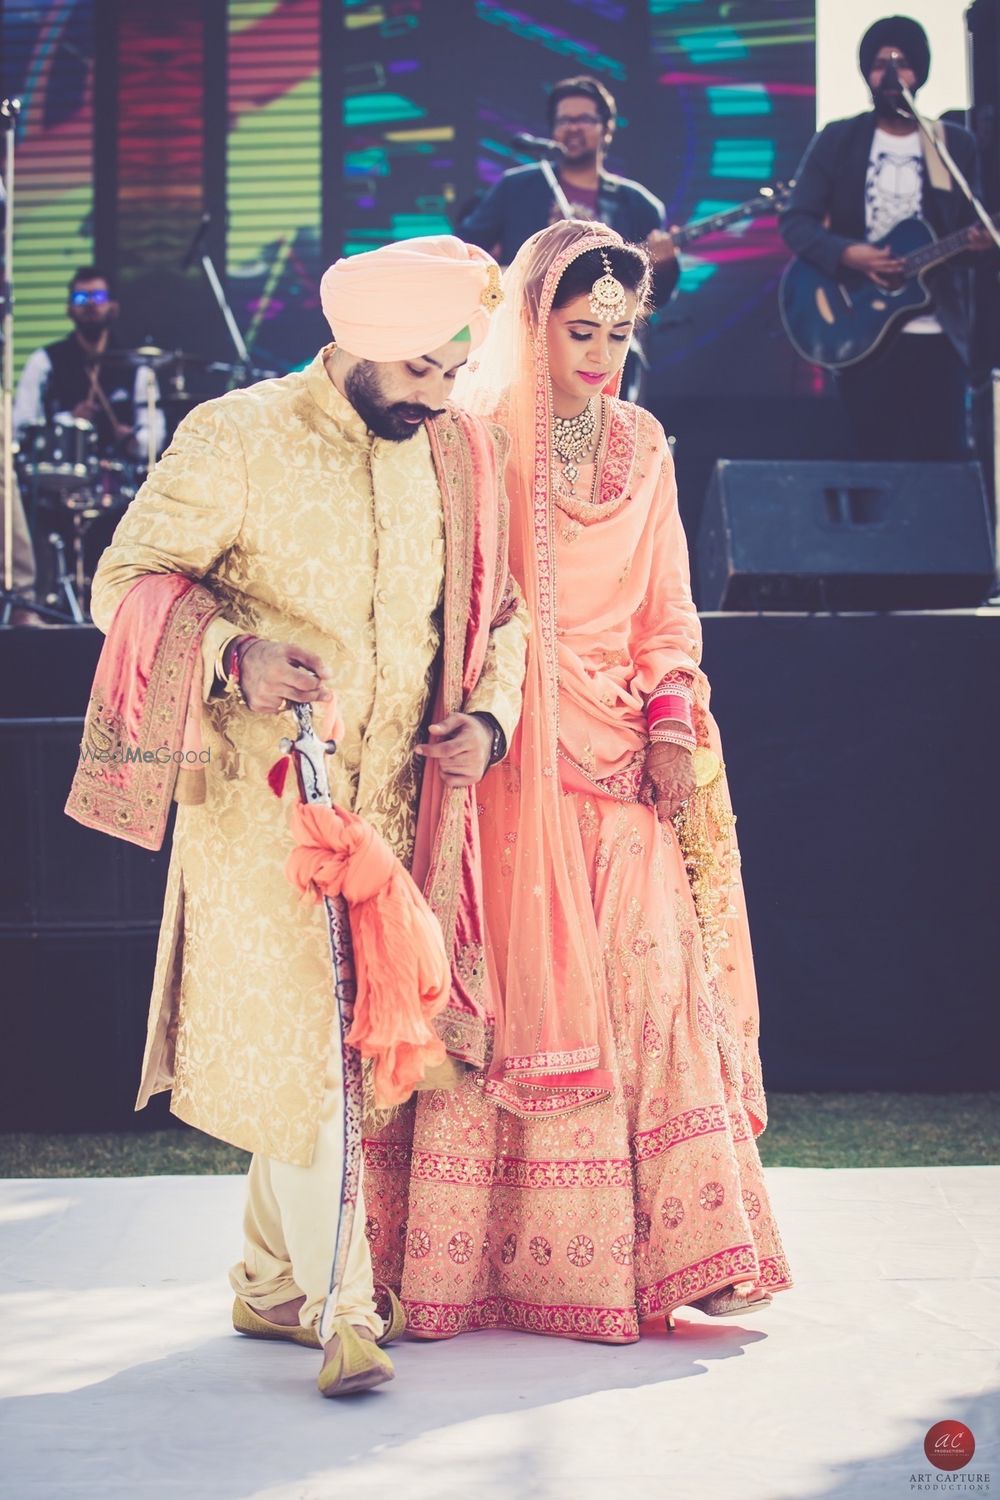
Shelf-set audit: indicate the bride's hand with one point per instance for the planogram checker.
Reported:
(668, 778)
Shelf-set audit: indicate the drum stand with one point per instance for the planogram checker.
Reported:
(10, 601)
(63, 582)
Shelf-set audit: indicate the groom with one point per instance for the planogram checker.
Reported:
(349, 523)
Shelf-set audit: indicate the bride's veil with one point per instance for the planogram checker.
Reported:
(551, 1040)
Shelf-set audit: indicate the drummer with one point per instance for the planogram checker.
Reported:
(79, 376)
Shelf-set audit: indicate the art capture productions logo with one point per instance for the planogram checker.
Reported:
(950, 1446)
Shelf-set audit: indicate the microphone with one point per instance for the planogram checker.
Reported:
(893, 84)
(538, 145)
(196, 240)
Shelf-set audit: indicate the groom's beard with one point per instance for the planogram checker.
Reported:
(386, 419)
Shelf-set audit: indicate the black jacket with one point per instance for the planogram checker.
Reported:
(826, 211)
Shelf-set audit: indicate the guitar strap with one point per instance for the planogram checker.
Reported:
(938, 176)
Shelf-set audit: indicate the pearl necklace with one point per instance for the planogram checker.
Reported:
(572, 441)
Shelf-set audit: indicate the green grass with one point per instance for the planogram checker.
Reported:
(806, 1130)
(882, 1130)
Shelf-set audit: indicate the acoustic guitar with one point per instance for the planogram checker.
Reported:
(837, 321)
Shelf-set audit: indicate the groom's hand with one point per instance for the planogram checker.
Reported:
(461, 745)
(276, 673)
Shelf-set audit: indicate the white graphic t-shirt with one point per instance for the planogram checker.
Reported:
(894, 190)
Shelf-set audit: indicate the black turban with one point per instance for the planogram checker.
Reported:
(902, 32)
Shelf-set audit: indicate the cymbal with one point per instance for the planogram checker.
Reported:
(151, 355)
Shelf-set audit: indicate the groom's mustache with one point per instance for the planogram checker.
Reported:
(416, 412)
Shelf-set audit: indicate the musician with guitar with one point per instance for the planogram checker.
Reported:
(879, 293)
(526, 199)
(582, 116)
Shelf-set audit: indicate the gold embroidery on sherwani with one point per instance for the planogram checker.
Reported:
(318, 534)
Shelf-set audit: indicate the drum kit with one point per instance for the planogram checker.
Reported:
(78, 490)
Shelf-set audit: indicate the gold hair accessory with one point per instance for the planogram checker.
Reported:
(492, 294)
(607, 296)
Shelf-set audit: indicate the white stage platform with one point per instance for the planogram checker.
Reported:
(123, 1381)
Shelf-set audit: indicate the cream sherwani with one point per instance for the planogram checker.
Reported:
(314, 532)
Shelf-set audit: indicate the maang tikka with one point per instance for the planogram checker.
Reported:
(608, 300)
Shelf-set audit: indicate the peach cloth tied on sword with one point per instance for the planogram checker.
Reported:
(402, 971)
(407, 299)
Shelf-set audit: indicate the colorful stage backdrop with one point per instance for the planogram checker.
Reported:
(308, 128)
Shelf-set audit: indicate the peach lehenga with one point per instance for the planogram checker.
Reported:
(602, 1169)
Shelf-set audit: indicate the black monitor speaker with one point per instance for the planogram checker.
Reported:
(844, 536)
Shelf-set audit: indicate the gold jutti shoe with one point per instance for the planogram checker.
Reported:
(392, 1313)
(250, 1323)
(356, 1365)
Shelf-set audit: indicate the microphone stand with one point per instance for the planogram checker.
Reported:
(954, 169)
(555, 186)
(232, 327)
(10, 109)
(993, 231)
(218, 292)
(207, 264)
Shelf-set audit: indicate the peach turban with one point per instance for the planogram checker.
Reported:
(406, 299)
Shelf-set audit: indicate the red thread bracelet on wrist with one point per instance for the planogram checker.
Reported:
(236, 657)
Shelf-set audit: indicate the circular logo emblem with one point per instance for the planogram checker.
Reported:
(949, 1445)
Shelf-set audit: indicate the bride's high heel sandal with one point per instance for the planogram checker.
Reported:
(727, 1303)
(357, 1364)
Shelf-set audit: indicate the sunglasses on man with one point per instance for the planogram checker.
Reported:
(561, 122)
(80, 299)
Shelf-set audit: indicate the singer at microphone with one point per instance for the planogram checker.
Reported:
(581, 118)
(858, 181)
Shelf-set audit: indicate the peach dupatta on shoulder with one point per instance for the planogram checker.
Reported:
(142, 732)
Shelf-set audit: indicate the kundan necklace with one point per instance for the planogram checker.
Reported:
(572, 441)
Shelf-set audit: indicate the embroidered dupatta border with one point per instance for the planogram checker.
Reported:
(138, 809)
(460, 477)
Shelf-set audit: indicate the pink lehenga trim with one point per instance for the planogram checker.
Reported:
(686, 1127)
(516, 1172)
(576, 1060)
(552, 1102)
(443, 1320)
(712, 1275)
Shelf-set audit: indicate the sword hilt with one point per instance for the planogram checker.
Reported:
(309, 753)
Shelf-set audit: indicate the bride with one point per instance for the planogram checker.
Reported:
(601, 1169)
